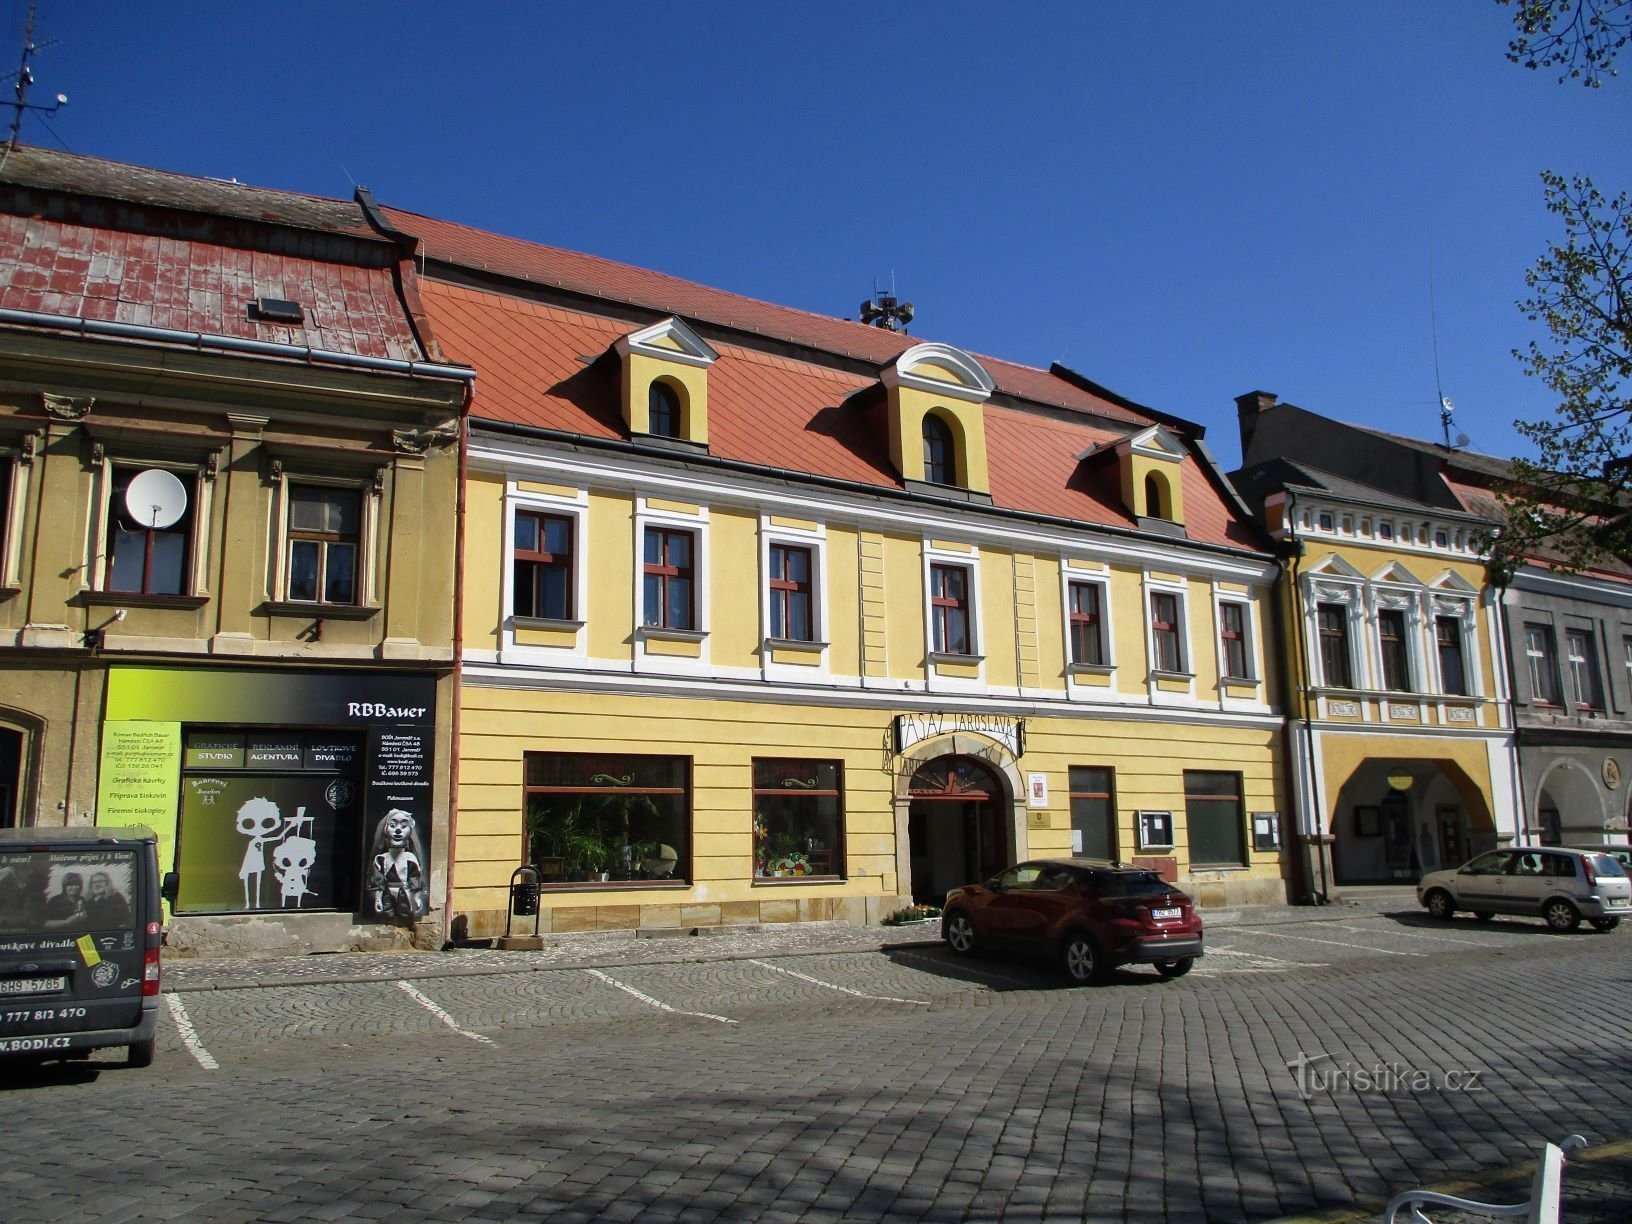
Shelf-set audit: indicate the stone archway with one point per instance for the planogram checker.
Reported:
(1568, 806)
(956, 833)
(1397, 818)
(992, 770)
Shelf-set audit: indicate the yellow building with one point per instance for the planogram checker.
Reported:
(768, 616)
(1400, 735)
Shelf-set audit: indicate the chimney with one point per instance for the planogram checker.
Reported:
(1247, 409)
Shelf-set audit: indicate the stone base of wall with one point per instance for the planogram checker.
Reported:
(253, 935)
(1223, 891)
(570, 919)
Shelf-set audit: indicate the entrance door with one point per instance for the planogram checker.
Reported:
(11, 771)
(955, 827)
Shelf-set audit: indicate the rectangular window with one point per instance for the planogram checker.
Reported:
(668, 596)
(1333, 621)
(324, 544)
(1166, 632)
(1232, 632)
(798, 819)
(792, 617)
(949, 609)
(543, 566)
(1587, 693)
(150, 526)
(1453, 677)
(1216, 818)
(1543, 660)
(1086, 627)
(1396, 658)
(1093, 812)
(600, 817)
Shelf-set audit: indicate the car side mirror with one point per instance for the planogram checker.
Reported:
(170, 887)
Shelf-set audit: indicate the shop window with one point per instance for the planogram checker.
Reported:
(1453, 675)
(940, 452)
(271, 821)
(1396, 659)
(791, 594)
(1542, 657)
(1582, 654)
(668, 595)
(607, 817)
(1333, 623)
(325, 542)
(950, 619)
(1093, 812)
(663, 410)
(1086, 602)
(1166, 632)
(1216, 819)
(151, 519)
(798, 819)
(1232, 632)
(543, 561)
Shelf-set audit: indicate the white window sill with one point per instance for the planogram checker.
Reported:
(656, 633)
(545, 622)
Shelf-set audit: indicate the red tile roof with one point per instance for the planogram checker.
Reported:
(543, 366)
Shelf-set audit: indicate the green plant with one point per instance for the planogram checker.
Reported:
(913, 913)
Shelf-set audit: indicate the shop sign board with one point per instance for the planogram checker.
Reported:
(1006, 729)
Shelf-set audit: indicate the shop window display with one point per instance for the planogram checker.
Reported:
(798, 819)
(608, 818)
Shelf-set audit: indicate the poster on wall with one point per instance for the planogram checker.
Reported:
(137, 779)
(395, 883)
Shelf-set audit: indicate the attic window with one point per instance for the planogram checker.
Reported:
(276, 310)
(940, 456)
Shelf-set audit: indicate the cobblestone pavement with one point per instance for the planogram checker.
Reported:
(817, 1075)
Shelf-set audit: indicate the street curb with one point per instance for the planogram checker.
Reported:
(1522, 1173)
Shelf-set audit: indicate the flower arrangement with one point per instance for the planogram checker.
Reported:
(913, 913)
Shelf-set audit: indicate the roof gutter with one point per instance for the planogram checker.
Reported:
(234, 344)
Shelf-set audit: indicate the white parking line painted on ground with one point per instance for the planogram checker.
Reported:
(1466, 943)
(189, 1035)
(1337, 943)
(964, 967)
(658, 1003)
(1214, 950)
(803, 977)
(418, 996)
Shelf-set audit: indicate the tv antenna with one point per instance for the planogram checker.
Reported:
(1446, 408)
(886, 310)
(25, 78)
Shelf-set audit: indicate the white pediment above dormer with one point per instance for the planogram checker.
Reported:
(1334, 566)
(668, 340)
(1451, 583)
(942, 370)
(1152, 443)
(1397, 574)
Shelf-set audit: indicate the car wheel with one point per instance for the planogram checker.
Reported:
(1605, 924)
(141, 1053)
(1483, 915)
(959, 932)
(1083, 960)
(1440, 905)
(1561, 915)
(1175, 968)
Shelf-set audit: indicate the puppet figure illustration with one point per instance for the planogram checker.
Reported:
(293, 857)
(258, 820)
(396, 872)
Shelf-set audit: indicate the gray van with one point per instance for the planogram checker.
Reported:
(80, 925)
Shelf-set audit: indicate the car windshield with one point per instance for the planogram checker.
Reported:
(72, 891)
(1605, 865)
(1141, 884)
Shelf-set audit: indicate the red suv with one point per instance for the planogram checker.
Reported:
(1093, 914)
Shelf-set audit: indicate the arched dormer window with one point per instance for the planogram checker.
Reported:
(1155, 497)
(940, 454)
(663, 410)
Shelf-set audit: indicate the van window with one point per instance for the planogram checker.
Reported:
(75, 891)
(1605, 865)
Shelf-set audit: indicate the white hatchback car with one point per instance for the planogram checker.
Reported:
(1563, 886)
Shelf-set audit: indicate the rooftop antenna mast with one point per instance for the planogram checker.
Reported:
(885, 309)
(1445, 405)
(25, 78)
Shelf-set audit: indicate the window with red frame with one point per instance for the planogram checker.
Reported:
(1166, 631)
(949, 606)
(543, 565)
(1087, 634)
(667, 599)
(1232, 632)
(792, 615)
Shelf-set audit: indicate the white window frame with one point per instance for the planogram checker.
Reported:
(1531, 664)
(199, 489)
(368, 531)
(17, 470)
(1322, 590)
(1186, 669)
(649, 516)
(969, 560)
(1463, 612)
(1073, 576)
(814, 541)
(574, 506)
(1408, 601)
(1576, 664)
(1249, 634)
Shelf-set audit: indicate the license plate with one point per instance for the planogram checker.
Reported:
(33, 985)
(1165, 913)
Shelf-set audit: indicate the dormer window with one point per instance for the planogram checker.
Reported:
(663, 411)
(940, 455)
(1155, 501)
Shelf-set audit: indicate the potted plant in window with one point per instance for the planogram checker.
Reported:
(588, 857)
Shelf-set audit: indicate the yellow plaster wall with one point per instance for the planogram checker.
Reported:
(843, 628)
(904, 607)
(611, 574)
(640, 370)
(1127, 597)
(734, 588)
(998, 610)
(1342, 754)
(906, 413)
(486, 554)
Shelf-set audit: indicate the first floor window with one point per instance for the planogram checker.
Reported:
(324, 544)
(790, 594)
(1583, 669)
(1216, 818)
(1166, 632)
(150, 524)
(1232, 632)
(949, 606)
(667, 601)
(798, 818)
(543, 565)
(1542, 657)
(1453, 676)
(1093, 812)
(1087, 636)
(607, 816)
(1333, 622)
(1396, 659)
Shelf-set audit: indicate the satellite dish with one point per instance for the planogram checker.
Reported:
(155, 498)
(1463, 439)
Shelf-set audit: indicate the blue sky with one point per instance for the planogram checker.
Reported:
(1183, 201)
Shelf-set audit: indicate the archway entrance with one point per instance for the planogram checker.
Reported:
(956, 830)
(1397, 819)
(11, 775)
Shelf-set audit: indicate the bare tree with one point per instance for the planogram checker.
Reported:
(1579, 37)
